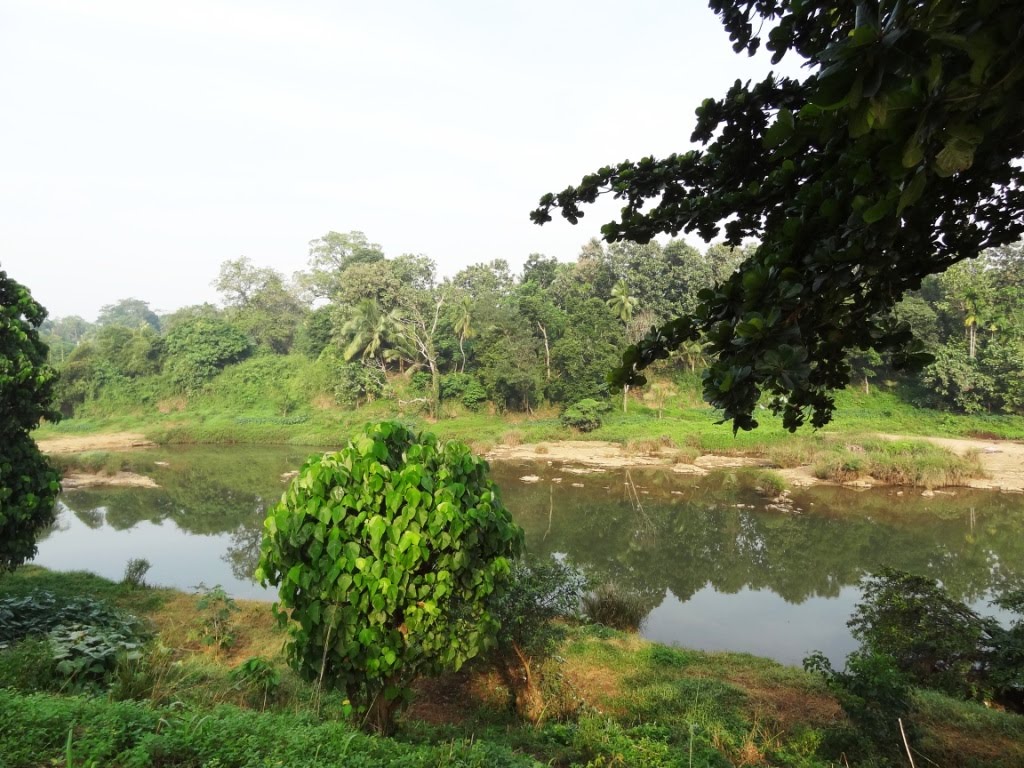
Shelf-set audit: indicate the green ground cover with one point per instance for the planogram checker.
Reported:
(613, 699)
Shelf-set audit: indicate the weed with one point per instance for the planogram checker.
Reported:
(135, 573)
(512, 438)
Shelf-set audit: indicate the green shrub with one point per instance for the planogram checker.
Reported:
(538, 593)
(584, 415)
(135, 573)
(614, 607)
(385, 554)
(934, 640)
(85, 636)
(875, 694)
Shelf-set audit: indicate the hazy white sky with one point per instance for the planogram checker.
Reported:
(145, 142)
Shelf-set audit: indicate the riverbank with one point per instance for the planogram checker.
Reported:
(614, 699)
(988, 464)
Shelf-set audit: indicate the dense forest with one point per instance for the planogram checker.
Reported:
(345, 329)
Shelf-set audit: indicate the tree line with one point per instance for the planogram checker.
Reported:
(549, 334)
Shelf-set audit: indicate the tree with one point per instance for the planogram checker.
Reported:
(893, 160)
(368, 332)
(386, 555)
(28, 485)
(332, 254)
(131, 313)
(198, 348)
(260, 303)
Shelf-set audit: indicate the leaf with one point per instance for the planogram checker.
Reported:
(912, 191)
(780, 130)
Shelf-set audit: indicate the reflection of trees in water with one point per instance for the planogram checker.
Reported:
(715, 532)
(243, 554)
(661, 533)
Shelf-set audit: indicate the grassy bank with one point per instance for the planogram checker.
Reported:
(848, 450)
(612, 699)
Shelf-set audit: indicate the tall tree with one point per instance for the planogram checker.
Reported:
(894, 159)
(130, 313)
(332, 254)
(261, 303)
(28, 485)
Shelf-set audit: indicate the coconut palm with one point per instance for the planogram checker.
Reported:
(622, 303)
(463, 325)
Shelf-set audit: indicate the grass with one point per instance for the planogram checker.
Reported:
(687, 431)
(633, 702)
(913, 463)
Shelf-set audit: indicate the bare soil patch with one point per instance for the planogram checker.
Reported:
(110, 441)
(1001, 460)
(73, 480)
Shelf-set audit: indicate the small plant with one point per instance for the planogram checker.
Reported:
(614, 607)
(538, 592)
(135, 573)
(215, 625)
(258, 678)
(585, 415)
(386, 555)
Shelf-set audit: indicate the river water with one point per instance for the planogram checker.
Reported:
(717, 565)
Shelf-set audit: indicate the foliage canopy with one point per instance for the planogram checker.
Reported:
(28, 485)
(894, 159)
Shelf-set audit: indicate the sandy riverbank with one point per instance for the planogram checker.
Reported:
(1002, 460)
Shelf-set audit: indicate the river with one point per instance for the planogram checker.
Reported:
(717, 565)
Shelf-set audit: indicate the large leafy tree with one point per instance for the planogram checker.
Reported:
(894, 159)
(28, 485)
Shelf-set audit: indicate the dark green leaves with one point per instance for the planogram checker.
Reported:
(897, 157)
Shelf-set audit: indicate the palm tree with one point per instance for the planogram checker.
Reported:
(463, 325)
(622, 303)
(369, 332)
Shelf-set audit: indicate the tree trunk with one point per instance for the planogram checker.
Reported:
(380, 717)
(547, 352)
(625, 397)
(867, 385)
(461, 338)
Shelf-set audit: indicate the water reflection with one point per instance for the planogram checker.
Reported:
(713, 562)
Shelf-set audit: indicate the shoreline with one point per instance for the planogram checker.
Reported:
(1002, 460)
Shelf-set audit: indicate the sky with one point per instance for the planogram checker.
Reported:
(143, 142)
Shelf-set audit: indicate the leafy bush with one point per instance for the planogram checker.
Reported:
(615, 608)
(584, 415)
(86, 636)
(538, 592)
(385, 554)
(934, 640)
(875, 694)
(259, 678)
(356, 383)
(198, 348)
(465, 388)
